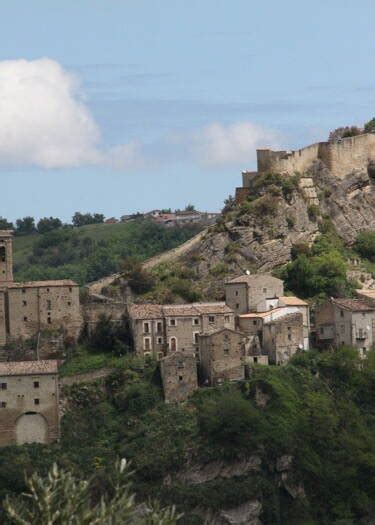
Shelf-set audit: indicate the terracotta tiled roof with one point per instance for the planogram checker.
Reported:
(42, 284)
(253, 278)
(353, 305)
(146, 311)
(15, 368)
(288, 318)
(293, 301)
(262, 314)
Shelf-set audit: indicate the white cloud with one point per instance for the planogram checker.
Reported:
(43, 119)
(219, 145)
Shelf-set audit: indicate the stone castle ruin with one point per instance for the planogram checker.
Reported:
(341, 158)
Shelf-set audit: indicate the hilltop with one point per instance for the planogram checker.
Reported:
(90, 252)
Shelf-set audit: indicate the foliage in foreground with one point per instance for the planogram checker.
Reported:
(61, 498)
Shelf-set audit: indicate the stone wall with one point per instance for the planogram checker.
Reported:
(179, 376)
(22, 420)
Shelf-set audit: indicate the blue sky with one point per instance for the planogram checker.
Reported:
(172, 96)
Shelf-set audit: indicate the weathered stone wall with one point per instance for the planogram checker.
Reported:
(37, 308)
(282, 338)
(20, 395)
(179, 376)
(93, 311)
(221, 356)
(6, 256)
(236, 297)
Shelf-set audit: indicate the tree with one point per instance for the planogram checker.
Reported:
(365, 245)
(370, 126)
(82, 219)
(5, 225)
(139, 280)
(190, 207)
(61, 498)
(343, 132)
(48, 224)
(25, 226)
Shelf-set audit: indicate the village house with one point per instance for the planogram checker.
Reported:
(29, 402)
(346, 321)
(221, 356)
(161, 329)
(283, 337)
(179, 376)
(28, 308)
(252, 293)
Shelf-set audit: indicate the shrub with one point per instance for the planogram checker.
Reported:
(365, 245)
(313, 212)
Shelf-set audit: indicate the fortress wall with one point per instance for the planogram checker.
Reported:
(351, 153)
(287, 162)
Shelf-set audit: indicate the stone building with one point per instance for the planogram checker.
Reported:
(252, 293)
(161, 329)
(221, 356)
(179, 376)
(27, 308)
(29, 402)
(348, 322)
(283, 337)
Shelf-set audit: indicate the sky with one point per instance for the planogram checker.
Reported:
(123, 106)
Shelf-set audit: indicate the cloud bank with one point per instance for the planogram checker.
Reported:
(44, 122)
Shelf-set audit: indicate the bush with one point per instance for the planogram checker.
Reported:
(313, 212)
(365, 245)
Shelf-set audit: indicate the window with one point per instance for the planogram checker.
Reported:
(36, 384)
(147, 344)
(49, 306)
(322, 329)
(342, 313)
(23, 290)
(47, 289)
(180, 364)
(4, 386)
(236, 292)
(255, 322)
(211, 319)
(160, 340)
(69, 303)
(289, 337)
(24, 303)
(173, 344)
(3, 404)
(49, 321)
(226, 319)
(146, 328)
(2, 253)
(226, 351)
(255, 359)
(180, 378)
(159, 327)
(25, 319)
(70, 289)
(36, 401)
(195, 321)
(196, 338)
(237, 306)
(172, 322)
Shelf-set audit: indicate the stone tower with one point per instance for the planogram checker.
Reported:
(6, 256)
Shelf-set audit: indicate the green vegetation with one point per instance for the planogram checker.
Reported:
(61, 498)
(320, 411)
(87, 253)
(365, 245)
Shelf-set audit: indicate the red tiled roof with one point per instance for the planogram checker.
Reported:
(353, 305)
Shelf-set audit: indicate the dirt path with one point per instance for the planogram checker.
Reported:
(97, 286)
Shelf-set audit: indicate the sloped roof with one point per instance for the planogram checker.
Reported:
(353, 305)
(15, 368)
(287, 318)
(253, 278)
(42, 284)
(146, 311)
(293, 301)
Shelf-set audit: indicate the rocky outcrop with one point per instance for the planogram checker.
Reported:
(246, 514)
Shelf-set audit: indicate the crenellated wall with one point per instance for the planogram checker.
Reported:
(340, 158)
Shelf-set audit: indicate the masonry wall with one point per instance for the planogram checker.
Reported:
(33, 309)
(156, 337)
(179, 376)
(19, 396)
(3, 329)
(221, 356)
(236, 297)
(6, 257)
(282, 339)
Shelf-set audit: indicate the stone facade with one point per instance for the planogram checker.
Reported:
(161, 329)
(283, 337)
(222, 356)
(349, 322)
(29, 308)
(179, 376)
(249, 293)
(29, 402)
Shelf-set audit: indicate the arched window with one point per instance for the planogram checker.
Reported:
(173, 344)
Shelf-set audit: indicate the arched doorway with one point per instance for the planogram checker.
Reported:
(31, 428)
(173, 344)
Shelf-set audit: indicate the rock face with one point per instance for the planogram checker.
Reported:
(263, 241)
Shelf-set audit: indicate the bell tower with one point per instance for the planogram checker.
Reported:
(6, 256)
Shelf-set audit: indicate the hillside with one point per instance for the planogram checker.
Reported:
(292, 445)
(90, 252)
